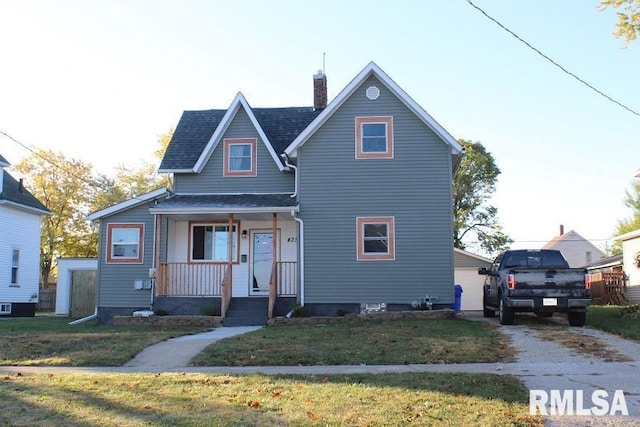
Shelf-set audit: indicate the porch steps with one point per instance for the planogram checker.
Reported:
(250, 311)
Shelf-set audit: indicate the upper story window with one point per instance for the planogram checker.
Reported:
(15, 265)
(376, 238)
(374, 137)
(125, 243)
(240, 157)
(210, 242)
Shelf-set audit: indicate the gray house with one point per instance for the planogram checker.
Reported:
(333, 207)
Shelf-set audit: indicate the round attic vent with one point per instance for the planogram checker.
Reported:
(373, 93)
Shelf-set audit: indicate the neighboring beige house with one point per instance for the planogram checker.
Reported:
(577, 250)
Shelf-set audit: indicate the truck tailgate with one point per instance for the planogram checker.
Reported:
(568, 278)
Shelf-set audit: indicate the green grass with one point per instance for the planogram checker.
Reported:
(607, 318)
(357, 341)
(51, 341)
(257, 400)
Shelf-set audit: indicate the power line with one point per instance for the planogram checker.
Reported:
(92, 184)
(51, 162)
(552, 61)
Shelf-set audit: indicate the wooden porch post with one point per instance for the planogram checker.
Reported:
(273, 283)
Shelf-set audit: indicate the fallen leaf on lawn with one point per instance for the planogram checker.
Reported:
(311, 415)
(253, 403)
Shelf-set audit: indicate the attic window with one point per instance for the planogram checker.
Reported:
(374, 137)
(240, 157)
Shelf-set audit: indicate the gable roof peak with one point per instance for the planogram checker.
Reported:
(373, 69)
(238, 101)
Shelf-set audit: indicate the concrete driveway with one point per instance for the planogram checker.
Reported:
(604, 362)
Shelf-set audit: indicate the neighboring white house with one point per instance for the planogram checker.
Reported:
(20, 214)
(577, 250)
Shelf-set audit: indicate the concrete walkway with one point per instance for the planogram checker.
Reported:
(178, 352)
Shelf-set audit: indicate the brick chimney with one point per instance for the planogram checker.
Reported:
(319, 91)
(561, 229)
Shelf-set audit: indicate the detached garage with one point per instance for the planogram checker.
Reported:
(76, 289)
(466, 274)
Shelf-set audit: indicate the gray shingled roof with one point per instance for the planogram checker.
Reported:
(3, 160)
(227, 201)
(280, 125)
(11, 192)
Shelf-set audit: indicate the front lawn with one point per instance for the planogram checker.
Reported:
(371, 342)
(51, 341)
(450, 399)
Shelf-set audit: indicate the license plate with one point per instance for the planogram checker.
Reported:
(549, 301)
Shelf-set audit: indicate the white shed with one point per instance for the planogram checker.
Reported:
(466, 275)
(66, 269)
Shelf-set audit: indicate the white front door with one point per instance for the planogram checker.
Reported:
(262, 258)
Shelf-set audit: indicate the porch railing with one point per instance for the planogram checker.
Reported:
(287, 278)
(190, 279)
(283, 282)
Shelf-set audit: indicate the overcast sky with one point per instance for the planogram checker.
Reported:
(100, 80)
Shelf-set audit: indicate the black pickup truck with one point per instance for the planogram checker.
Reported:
(535, 280)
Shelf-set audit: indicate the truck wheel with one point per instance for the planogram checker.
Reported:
(487, 312)
(577, 318)
(506, 314)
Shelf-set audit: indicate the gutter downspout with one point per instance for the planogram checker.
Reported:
(85, 319)
(295, 170)
(301, 247)
(301, 224)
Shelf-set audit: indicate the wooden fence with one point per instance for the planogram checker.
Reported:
(608, 289)
(47, 301)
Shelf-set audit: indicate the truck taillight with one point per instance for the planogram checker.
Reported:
(587, 281)
(511, 281)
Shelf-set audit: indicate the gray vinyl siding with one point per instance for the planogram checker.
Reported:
(115, 281)
(269, 178)
(414, 187)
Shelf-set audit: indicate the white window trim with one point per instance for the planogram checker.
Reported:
(15, 268)
(125, 260)
(389, 221)
(236, 252)
(388, 122)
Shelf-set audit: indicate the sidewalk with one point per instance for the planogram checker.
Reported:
(178, 352)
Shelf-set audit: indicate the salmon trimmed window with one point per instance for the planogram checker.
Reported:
(125, 243)
(374, 137)
(376, 238)
(240, 157)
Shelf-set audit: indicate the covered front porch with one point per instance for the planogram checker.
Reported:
(225, 252)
